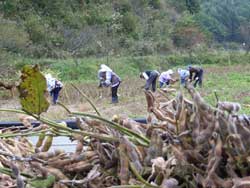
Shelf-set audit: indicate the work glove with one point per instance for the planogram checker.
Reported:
(107, 83)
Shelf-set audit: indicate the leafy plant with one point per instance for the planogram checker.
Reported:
(32, 90)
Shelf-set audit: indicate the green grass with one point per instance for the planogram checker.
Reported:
(230, 79)
(85, 69)
(231, 83)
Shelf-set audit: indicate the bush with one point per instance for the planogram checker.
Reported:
(13, 37)
(155, 3)
(188, 37)
(164, 46)
(142, 48)
(122, 6)
(129, 23)
(95, 16)
(9, 8)
(35, 28)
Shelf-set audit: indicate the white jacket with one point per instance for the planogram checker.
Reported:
(52, 83)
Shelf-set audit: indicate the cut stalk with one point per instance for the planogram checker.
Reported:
(86, 97)
(116, 126)
(60, 127)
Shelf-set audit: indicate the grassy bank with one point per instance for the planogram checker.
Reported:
(226, 75)
(85, 70)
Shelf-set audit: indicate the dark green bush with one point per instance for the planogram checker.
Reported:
(129, 23)
(13, 37)
(36, 29)
(122, 6)
(155, 3)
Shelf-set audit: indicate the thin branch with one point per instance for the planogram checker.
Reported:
(139, 177)
(86, 97)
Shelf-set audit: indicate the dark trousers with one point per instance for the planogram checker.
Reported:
(198, 78)
(152, 81)
(162, 84)
(55, 94)
(114, 93)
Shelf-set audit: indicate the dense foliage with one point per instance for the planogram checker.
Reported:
(225, 19)
(120, 32)
(79, 28)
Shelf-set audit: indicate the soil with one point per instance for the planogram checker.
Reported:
(132, 108)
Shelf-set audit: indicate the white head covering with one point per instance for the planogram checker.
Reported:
(170, 71)
(105, 68)
(48, 76)
(50, 82)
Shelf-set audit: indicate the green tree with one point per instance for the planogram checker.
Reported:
(193, 6)
(223, 18)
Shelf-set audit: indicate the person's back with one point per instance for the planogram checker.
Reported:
(150, 77)
(108, 78)
(54, 87)
(194, 70)
(184, 75)
(165, 78)
(196, 74)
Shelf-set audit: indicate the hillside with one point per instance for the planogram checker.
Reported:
(64, 29)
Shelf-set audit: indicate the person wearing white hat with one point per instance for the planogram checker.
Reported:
(108, 78)
(165, 78)
(54, 87)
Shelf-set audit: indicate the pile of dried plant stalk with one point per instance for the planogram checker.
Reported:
(186, 143)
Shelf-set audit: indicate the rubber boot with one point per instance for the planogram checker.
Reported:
(114, 100)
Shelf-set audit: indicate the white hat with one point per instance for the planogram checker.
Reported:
(105, 68)
(48, 76)
(170, 71)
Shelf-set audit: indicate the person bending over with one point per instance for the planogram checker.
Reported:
(196, 75)
(108, 78)
(166, 78)
(54, 87)
(184, 75)
(150, 77)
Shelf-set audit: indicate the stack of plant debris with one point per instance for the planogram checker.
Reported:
(186, 143)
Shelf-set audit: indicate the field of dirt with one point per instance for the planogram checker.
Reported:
(132, 101)
(230, 82)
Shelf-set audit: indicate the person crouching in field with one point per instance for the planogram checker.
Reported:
(109, 79)
(150, 77)
(196, 75)
(54, 87)
(184, 76)
(166, 78)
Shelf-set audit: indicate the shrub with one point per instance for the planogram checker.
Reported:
(9, 8)
(129, 23)
(188, 37)
(122, 6)
(35, 28)
(155, 3)
(12, 37)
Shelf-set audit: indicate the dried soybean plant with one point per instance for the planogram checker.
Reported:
(186, 143)
(210, 145)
